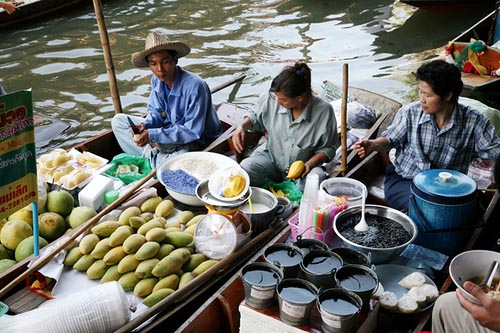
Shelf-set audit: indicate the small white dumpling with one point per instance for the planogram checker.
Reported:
(388, 300)
(415, 279)
(430, 292)
(407, 304)
(418, 295)
(378, 291)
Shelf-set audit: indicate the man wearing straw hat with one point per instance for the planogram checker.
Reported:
(180, 115)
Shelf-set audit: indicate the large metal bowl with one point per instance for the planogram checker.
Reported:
(215, 205)
(378, 255)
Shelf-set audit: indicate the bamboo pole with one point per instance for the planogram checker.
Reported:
(343, 120)
(110, 68)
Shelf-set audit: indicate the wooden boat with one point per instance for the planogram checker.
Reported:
(221, 312)
(31, 10)
(447, 4)
(180, 303)
(482, 30)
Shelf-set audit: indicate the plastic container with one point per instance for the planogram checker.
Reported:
(92, 195)
(309, 200)
(308, 232)
(332, 188)
(111, 196)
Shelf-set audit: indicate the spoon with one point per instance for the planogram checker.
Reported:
(362, 226)
(488, 278)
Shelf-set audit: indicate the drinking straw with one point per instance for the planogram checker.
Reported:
(315, 214)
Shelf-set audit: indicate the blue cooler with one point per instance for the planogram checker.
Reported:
(444, 206)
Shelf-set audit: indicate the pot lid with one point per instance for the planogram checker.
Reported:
(215, 236)
(443, 182)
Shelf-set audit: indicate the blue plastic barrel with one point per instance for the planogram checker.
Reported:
(443, 205)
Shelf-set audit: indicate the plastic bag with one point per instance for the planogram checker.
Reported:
(289, 189)
(129, 168)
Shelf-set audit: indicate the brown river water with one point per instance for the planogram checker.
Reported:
(61, 59)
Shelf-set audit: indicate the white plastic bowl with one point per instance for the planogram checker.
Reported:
(221, 161)
(470, 264)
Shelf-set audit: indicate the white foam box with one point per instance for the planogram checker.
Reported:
(92, 195)
(267, 320)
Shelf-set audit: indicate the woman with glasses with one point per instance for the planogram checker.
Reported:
(299, 126)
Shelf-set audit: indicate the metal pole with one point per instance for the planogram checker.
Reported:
(110, 68)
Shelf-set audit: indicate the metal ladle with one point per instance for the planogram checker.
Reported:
(362, 226)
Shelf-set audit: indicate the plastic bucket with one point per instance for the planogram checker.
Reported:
(332, 188)
(295, 299)
(443, 205)
(319, 267)
(359, 279)
(307, 245)
(338, 309)
(353, 257)
(285, 256)
(260, 280)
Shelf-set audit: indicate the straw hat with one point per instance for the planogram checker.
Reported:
(156, 41)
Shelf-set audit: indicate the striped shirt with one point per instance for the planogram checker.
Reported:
(421, 145)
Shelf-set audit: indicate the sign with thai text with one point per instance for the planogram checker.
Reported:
(18, 179)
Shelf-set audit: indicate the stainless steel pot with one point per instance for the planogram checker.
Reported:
(266, 208)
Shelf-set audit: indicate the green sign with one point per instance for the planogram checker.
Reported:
(18, 181)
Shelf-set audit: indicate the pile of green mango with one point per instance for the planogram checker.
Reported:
(143, 251)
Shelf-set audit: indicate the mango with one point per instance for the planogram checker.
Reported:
(143, 230)
(120, 235)
(133, 243)
(165, 208)
(157, 296)
(124, 217)
(105, 229)
(172, 263)
(156, 235)
(84, 263)
(184, 216)
(6, 264)
(172, 224)
(178, 238)
(128, 281)
(145, 267)
(147, 216)
(136, 221)
(101, 248)
(296, 169)
(204, 266)
(170, 229)
(185, 279)
(97, 270)
(234, 186)
(88, 243)
(111, 274)
(114, 256)
(148, 250)
(13, 232)
(150, 204)
(145, 287)
(193, 262)
(128, 264)
(26, 247)
(73, 256)
(195, 220)
(171, 281)
(191, 229)
(165, 250)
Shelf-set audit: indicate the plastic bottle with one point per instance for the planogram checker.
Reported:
(309, 201)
